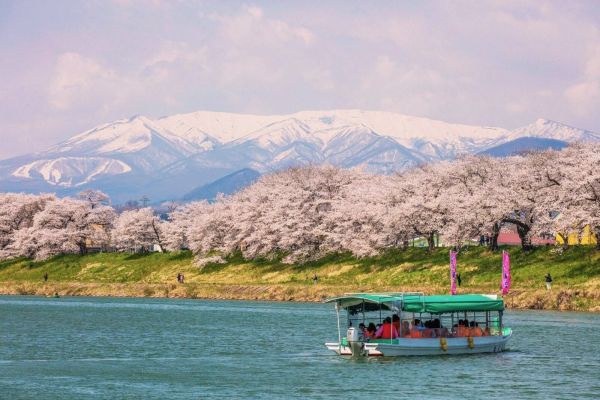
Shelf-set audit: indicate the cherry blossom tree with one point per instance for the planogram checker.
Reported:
(137, 230)
(94, 197)
(17, 212)
(531, 193)
(422, 192)
(469, 205)
(302, 214)
(64, 226)
(176, 230)
(582, 188)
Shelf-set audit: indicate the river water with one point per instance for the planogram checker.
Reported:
(74, 348)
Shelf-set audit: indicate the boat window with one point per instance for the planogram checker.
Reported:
(457, 323)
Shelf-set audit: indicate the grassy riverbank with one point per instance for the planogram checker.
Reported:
(576, 274)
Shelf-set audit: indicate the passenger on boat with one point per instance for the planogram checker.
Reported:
(363, 329)
(463, 328)
(456, 328)
(418, 325)
(475, 330)
(428, 332)
(439, 330)
(417, 329)
(405, 329)
(371, 331)
(387, 330)
(396, 322)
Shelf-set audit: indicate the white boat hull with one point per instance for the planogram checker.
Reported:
(424, 347)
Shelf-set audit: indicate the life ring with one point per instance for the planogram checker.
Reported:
(444, 344)
(471, 342)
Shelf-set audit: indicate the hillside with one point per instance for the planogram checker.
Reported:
(575, 272)
(523, 145)
(227, 185)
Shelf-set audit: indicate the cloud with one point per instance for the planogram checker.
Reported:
(172, 58)
(489, 63)
(78, 81)
(584, 96)
(250, 27)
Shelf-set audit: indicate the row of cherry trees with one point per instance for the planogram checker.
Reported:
(307, 212)
(312, 211)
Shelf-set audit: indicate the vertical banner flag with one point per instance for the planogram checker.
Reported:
(505, 272)
(452, 272)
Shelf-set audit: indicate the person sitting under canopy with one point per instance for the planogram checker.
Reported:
(475, 330)
(405, 329)
(387, 330)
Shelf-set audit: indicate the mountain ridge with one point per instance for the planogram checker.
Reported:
(169, 156)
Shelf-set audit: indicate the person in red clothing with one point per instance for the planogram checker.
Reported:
(387, 330)
(396, 322)
(371, 331)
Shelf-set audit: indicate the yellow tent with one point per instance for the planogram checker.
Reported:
(584, 237)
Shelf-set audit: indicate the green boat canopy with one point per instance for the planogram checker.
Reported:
(419, 303)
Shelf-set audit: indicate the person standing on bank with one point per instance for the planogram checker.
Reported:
(548, 281)
(45, 277)
(458, 279)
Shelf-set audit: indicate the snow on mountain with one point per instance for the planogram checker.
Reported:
(544, 128)
(170, 156)
(127, 136)
(280, 134)
(357, 146)
(224, 127)
(71, 171)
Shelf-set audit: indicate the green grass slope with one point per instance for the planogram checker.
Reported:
(576, 273)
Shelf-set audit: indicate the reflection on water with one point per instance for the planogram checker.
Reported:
(164, 348)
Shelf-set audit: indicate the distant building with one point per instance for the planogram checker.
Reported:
(509, 236)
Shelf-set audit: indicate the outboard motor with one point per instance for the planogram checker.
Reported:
(356, 340)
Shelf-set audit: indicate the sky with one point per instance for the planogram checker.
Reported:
(66, 66)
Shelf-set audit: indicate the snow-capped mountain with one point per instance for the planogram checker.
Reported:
(167, 157)
(71, 171)
(547, 129)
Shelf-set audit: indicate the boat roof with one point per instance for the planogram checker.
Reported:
(412, 302)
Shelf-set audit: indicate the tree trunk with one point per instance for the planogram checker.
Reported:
(565, 239)
(596, 230)
(523, 231)
(431, 241)
(494, 237)
(157, 234)
(82, 248)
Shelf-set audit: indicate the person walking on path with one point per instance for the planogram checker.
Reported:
(45, 277)
(548, 281)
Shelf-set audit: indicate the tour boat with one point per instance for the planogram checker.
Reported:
(446, 316)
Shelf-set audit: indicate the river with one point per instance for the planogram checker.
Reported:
(74, 348)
